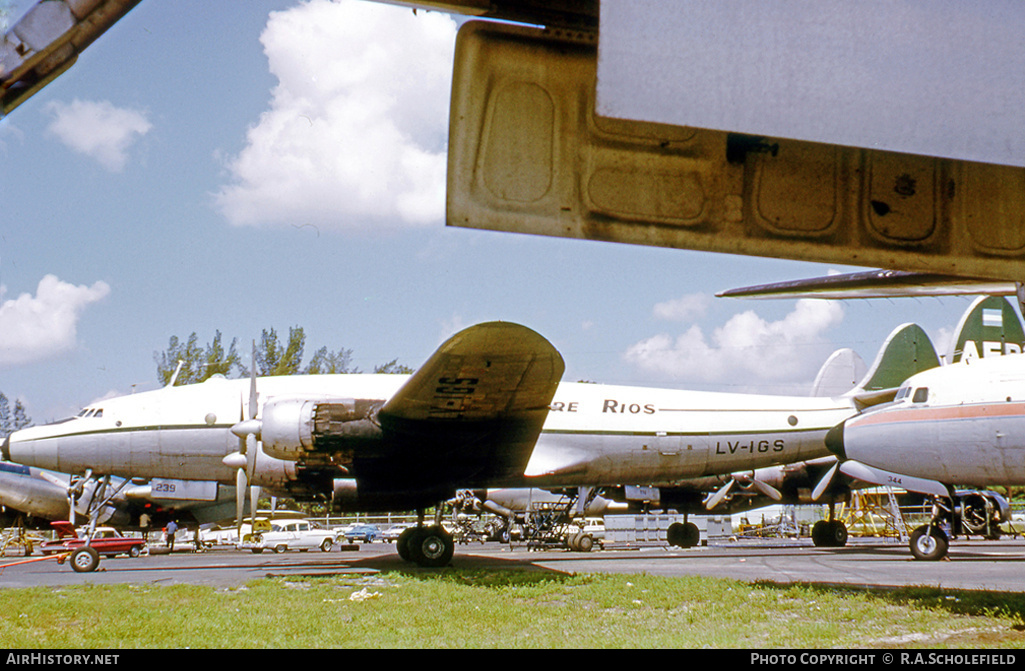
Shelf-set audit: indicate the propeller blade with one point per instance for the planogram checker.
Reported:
(240, 499)
(824, 483)
(253, 405)
(767, 489)
(716, 498)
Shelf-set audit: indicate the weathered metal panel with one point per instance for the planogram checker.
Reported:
(528, 153)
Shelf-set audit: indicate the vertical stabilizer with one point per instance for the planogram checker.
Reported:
(839, 374)
(990, 327)
(907, 351)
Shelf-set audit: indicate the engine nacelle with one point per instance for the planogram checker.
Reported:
(333, 428)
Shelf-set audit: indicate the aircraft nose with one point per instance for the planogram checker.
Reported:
(834, 441)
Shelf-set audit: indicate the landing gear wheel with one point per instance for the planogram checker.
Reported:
(431, 547)
(581, 542)
(85, 560)
(837, 534)
(831, 534)
(402, 543)
(683, 535)
(929, 543)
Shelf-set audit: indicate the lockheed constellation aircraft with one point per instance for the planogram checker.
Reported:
(486, 410)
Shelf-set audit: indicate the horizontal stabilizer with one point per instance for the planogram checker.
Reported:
(876, 284)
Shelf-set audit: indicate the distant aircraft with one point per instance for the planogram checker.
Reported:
(962, 424)
(486, 410)
(950, 426)
(46, 495)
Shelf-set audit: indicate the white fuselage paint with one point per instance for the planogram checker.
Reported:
(961, 424)
(594, 434)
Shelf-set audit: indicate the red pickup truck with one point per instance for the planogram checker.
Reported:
(106, 541)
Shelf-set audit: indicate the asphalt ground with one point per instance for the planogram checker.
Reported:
(972, 564)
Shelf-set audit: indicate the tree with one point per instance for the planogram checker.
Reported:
(5, 416)
(275, 359)
(325, 362)
(197, 364)
(12, 422)
(394, 367)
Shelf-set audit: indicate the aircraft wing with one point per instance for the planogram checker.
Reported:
(46, 41)
(480, 400)
(876, 284)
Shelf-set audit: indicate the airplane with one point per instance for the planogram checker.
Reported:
(40, 494)
(486, 410)
(959, 425)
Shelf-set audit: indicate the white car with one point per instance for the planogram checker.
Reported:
(290, 535)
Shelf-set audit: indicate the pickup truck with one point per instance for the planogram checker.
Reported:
(107, 541)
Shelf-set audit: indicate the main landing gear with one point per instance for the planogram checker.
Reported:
(426, 546)
(831, 533)
(683, 534)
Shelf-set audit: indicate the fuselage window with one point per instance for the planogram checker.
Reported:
(921, 395)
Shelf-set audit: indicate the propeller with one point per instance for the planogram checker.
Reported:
(745, 480)
(248, 432)
(824, 483)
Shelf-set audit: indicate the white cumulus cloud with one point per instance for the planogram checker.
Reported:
(33, 328)
(746, 347)
(355, 136)
(98, 129)
(685, 308)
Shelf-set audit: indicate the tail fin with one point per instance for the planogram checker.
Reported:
(907, 351)
(841, 373)
(990, 327)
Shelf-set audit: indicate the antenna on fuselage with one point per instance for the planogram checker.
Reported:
(174, 376)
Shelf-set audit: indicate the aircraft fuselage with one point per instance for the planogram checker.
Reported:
(593, 434)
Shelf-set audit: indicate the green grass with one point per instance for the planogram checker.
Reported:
(506, 609)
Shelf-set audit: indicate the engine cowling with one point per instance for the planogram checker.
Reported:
(315, 430)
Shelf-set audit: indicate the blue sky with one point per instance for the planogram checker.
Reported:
(241, 165)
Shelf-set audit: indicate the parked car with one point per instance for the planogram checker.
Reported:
(107, 541)
(391, 534)
(288, 535)
(368, 533)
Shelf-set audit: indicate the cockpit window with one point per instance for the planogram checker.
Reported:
(98, 413)
(921, 395)
(902, 393)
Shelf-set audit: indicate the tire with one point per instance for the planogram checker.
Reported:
(691, 535)
(85, 560)
(134, 551)
(584, 543)
(402, 543)
(837, 534)
(819, 533)
(278, 549)
(431, 547)
(326, 545)
(928, 543)
(675, 534)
